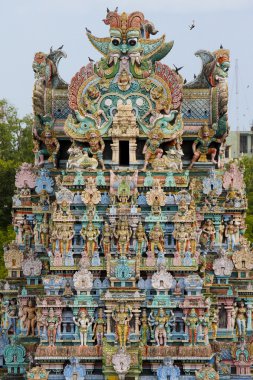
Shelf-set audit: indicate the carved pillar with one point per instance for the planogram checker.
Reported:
(115, 151)
(137, 321)
(249, 316)
(166, 234)
(19, 233)
(217, 228)
(108, 321)
(138, 264)
(108, 264)
(229, 317)
(132, 151)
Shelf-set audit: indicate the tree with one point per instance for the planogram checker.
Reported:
(6, 236)
(15, 134)
(15, 148)
(248, 178)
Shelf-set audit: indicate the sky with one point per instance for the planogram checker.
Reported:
(29, 26)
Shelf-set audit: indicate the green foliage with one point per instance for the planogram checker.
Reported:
(248, 177)
(15, 148)
(6, 236)
(248, 174)
(7, 179)
(15, 134)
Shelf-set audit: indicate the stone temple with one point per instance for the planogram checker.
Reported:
(130, 260)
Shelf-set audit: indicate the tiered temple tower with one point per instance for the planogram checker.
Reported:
(130, 260)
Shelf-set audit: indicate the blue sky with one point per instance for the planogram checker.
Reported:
(28, 26)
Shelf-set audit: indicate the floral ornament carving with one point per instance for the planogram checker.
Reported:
(185, 213)
(64, 195)
(212, 183)
(52, 283)
(14, 353)
(162, 280)
(121, 362)
(193, 281)
(156, 197)
(206, 372)
(37, 373)
(74, 369)
(25, 177)
(243, 259)
(83, 280)
(44, 182)
(223, 266)
(168, 369)
(233, 177)
(13, 257)
(183, 195)
(31, 266)
(91, 195)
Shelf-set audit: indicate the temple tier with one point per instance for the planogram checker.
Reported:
(130, 260)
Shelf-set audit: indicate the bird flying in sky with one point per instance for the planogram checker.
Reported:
(177, 69)
(192, 25)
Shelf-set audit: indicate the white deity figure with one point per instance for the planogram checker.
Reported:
(84, 321)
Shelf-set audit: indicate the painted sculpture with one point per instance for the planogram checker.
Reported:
(130, 245)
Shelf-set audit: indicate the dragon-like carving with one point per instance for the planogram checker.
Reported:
(130, 74)
(129, 43)
(45, 67)
(214, 73)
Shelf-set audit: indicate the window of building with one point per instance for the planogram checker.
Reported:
(243, 144)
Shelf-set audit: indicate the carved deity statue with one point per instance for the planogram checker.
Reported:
(241, 318)
(51, 144)
(192, 322)
(181, 236)
(160, 323)
(207, 236)
(202, 146)
(79, 159)
(90, 234)
(29, 312)
(99, 327)
(151, 148)
(44, 232)
(122, 315)
(52, 323)
(215, 323)
(144, 328)
(67, 290)
(123, 235)
(156, 238)
(204, 323)
(84, 321)
(61, 237)
(96, 146)
(141, 239)
(106, 239)
(12, 315)
(231, 231)
(27, 233)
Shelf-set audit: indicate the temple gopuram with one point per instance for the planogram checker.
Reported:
(130, 260)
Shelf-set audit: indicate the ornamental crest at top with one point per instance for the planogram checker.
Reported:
(129, 75)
